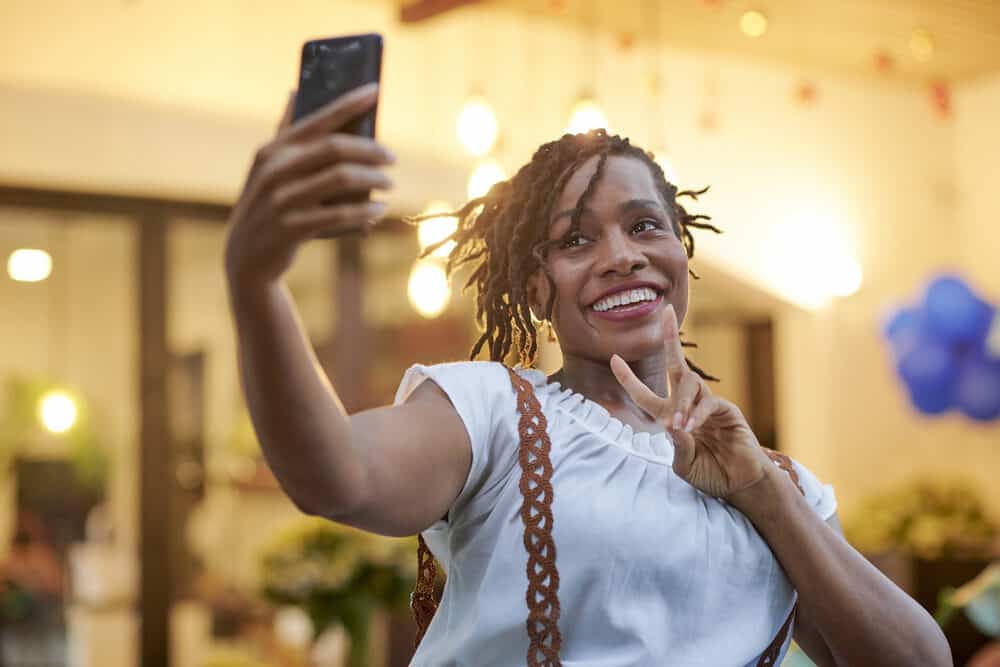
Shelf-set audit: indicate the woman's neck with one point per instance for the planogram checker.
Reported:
(595, 381)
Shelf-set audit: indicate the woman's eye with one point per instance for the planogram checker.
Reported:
(573, 241)
(646, 225)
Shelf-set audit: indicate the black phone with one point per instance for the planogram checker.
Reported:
(331, 67)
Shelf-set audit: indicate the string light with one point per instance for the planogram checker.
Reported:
(477, 126)
(753, 23)
(29, 265)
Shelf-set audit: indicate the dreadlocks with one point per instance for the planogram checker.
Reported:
(504, 235)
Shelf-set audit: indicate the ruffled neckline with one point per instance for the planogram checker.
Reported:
(654, 447)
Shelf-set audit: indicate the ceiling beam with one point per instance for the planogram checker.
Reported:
(414, 11)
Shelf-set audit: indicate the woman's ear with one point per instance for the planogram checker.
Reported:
(538, 294)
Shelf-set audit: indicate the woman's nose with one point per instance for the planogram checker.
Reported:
(618, 254)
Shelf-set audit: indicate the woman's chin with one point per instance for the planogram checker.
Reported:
(638, 347)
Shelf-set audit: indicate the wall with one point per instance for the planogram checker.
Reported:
(171, 99)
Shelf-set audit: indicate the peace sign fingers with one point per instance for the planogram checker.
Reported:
(654, 405)
(673, 351)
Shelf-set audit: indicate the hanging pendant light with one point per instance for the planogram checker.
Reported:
(477, 126)
(486, 174)
(428, 288)
(433, 230)
(585, 116)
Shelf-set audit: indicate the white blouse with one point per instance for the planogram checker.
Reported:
(652, 571)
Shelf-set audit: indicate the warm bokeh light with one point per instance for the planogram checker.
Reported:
(428, 288)
(28, 265)
(57, 411)
(846, 276)
(483, 177)
(753, 23)
(293, 627)
(921, 45)
(433, 230)
(810, 262)
(477, 127)
(586, 116)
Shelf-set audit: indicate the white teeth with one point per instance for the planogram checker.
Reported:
(624, 298)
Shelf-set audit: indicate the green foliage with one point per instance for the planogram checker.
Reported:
(925, 518)
(338, 574)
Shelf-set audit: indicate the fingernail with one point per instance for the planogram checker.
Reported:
(389, 155)
(689, 426)
(678, 420)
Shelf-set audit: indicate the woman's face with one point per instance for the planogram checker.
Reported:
(613, 277)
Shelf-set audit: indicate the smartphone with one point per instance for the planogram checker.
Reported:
(331, 67)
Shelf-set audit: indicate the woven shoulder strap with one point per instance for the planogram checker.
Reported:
(542, 594)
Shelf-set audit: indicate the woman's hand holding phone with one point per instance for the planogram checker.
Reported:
(306, 164)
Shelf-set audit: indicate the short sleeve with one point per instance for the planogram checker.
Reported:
(483, 397)
(819, 496)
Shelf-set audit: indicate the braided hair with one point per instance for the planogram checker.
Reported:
(504, 236)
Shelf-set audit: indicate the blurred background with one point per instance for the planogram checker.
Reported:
(851, 149)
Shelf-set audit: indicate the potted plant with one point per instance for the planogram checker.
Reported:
(928, 535)
(338, 574)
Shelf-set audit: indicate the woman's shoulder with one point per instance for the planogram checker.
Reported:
(475, 374)
(484, 385)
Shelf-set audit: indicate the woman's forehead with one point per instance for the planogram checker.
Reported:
(622, 178)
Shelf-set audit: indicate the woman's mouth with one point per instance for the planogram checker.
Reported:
(627, 304)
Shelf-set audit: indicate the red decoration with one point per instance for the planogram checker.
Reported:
(708, 121)
(941, 99)
(806, 93)
(883, 61)
(557, 6)
(625, 40)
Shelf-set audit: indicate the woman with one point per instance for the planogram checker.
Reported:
(647, 526)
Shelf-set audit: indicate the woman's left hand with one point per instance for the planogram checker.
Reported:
(714, 448)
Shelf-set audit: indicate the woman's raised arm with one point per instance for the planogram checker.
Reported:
(394, 470)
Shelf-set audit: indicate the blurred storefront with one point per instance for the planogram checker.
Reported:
(843, 175)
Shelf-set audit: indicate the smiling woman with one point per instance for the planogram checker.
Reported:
(616, 512)
(560, 178)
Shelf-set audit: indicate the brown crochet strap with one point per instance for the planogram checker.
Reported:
(785, 464)
(423, 603)
(769, 658)
(536, 513)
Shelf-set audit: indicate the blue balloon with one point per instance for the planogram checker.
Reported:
(930, 372)
(977, 391)
(954, 313)
(904, 329)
